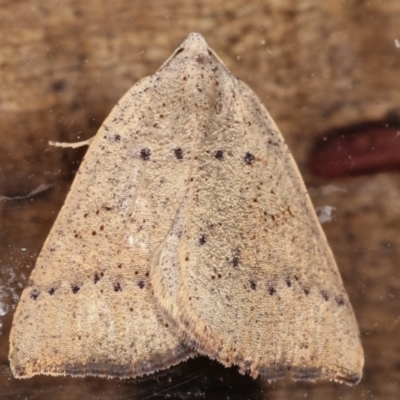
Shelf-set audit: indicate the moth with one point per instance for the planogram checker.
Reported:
(187, 230)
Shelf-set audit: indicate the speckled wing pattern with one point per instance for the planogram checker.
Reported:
(187, 228)
(88, 308)
(246, 274)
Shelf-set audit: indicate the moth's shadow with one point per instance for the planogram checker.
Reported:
(197, 378)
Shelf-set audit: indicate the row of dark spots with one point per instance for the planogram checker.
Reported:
(107, 208)
(306, 290)
(35, 293)
(75, 288)
(146, 153)
(117, 287)
(271, 142)
(94, 233)
(248, 158)
(338, 299)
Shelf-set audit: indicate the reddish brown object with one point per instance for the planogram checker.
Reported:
(361, 149)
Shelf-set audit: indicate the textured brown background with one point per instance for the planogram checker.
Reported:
(315, 65)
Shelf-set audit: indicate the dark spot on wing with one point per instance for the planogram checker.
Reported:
(141, 284)
(145, 154)
(339, 300)
(219, 155)
(96, 278)
(117, 138)
(75, 289)
(34, 294)
(202, 239)
(178, 153)
(249, 158)
(253, 285)
(200, 59)
(235, 262)
(51, 291)
(271, 290)
(117, 287)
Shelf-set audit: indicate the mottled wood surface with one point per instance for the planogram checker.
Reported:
(315, 65)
